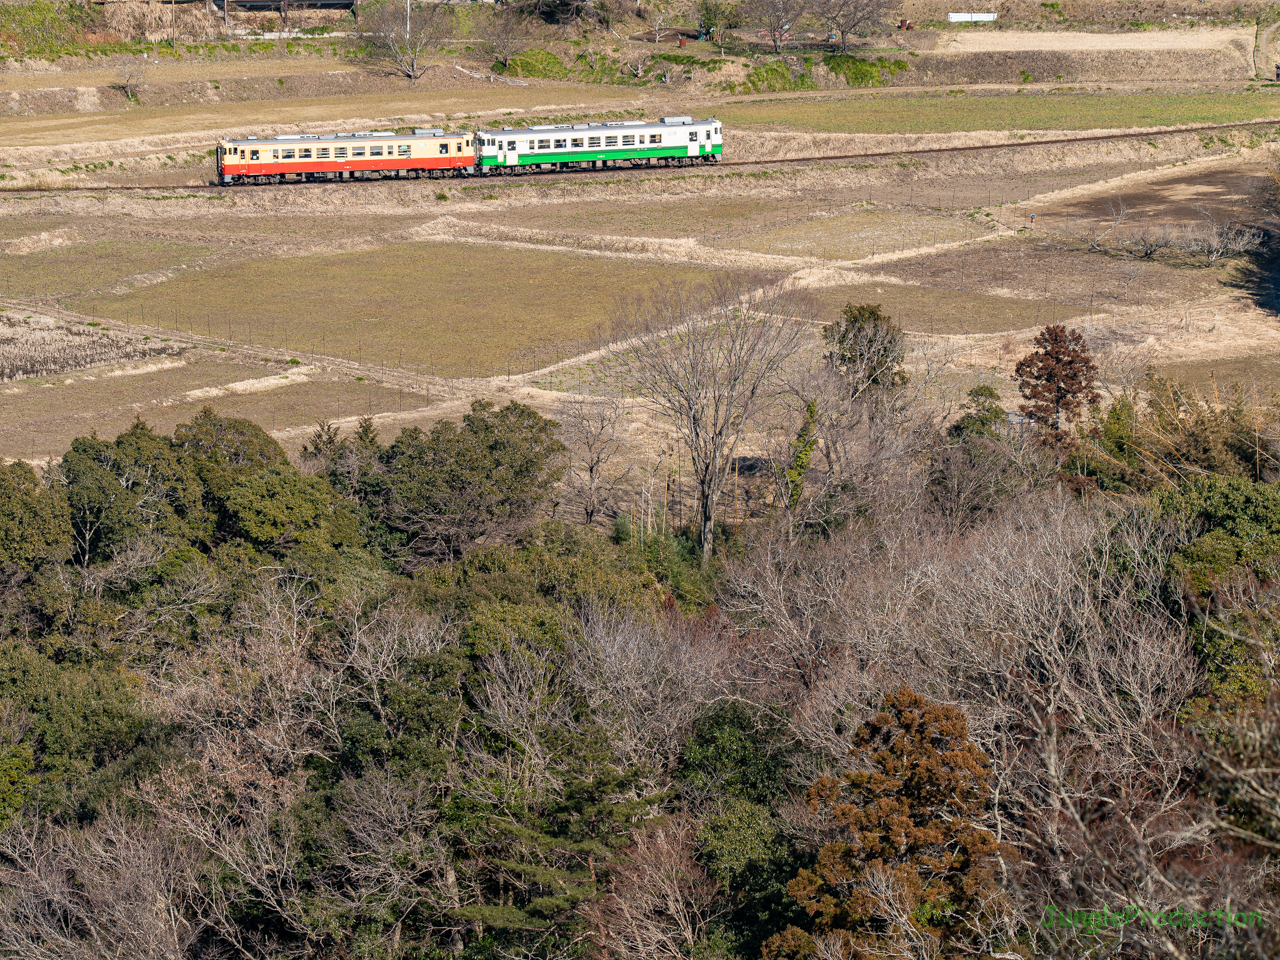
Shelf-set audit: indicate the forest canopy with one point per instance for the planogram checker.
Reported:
(437, 695)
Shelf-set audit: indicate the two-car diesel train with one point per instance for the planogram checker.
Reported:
(672, 141)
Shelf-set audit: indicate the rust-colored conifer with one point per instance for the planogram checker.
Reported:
(1058, 379)
(911, 863)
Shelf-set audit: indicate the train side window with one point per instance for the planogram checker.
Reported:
(655, 138)
(444, 149)
(610, 141)
(629, 140)
(322, 153)
(357, 151)
(457, 147)
(544, 144)
(304, 154)
(275, 154)
(253, 154)
(403, 150)
(593, 141)
(375, 151)
(468, 143)
(340, 153)
(693, 136)
(287, 155)
(511, 144)
(577, 142)
(561, 144)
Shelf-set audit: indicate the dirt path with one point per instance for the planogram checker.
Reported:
(1000, 41)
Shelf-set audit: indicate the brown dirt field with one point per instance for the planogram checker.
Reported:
(1237, 190)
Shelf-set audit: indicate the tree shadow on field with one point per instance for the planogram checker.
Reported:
(1257, 274)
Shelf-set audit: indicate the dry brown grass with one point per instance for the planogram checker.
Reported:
(174, 123)
(40, 346)
(449, 309)
(72, 271)
(1260, 371)
(44, 414)
(930, 310)
(852, 236)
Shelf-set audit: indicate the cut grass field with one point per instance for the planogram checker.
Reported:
(76, 269)
(856, 235)
(940, 113)
(443, 308)
(1262, 372)
(660, 217)
(928, 310)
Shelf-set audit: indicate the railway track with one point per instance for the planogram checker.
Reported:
(614, 171)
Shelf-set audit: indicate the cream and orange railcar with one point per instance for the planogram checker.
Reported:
(346, 156)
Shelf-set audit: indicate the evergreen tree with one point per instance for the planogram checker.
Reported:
(1058, 379)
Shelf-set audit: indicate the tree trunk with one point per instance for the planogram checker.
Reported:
(707, 503)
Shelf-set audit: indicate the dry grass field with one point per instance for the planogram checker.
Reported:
(398, 299)
(43, 414)
(446, 309)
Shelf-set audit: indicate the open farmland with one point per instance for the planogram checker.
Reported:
(858, 235)
(447, 309)
(409, 284)
(44, 414)
(481, 567)
(1035, 109)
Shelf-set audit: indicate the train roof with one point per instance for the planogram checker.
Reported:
(432, 133)
(666, 123)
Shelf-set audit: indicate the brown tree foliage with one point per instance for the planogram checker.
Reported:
(1059, 379)
(910, 872)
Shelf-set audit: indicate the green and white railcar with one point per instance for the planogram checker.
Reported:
(672, 141)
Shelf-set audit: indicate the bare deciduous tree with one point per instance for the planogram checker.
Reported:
(776, 18)
(1093, 233)
(661, 901)
(1149, 239)
(707, 358)
(505, 33)
(845, 18)
(411, 41)
(1219, 238)
(121, 887)
(592, 430)
(646, 680)
(132, 76)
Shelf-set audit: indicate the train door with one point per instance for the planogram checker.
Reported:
(511, 153)
(694, 146)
